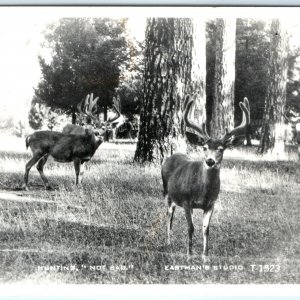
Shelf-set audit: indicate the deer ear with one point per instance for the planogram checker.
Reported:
(194, 138)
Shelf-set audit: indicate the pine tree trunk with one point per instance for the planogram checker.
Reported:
(273, 129)
(167, 80)
(223, 102)
(198, 72)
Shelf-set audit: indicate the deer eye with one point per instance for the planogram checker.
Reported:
(220, 149)
(205, 148)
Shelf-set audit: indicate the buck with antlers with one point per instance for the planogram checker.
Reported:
(75, 143)
(196, 183)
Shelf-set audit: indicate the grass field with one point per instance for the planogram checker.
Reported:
(113, 228)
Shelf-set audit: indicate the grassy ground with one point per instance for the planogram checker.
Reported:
(113, 228)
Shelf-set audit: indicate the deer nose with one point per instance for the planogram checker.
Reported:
(210, 162)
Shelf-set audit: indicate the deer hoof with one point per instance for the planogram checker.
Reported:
(205, 258)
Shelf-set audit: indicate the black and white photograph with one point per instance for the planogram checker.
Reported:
(149, 145)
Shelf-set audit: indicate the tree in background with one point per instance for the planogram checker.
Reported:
(36, 116)
(42, 116)
(223, 101)
(172, 65)
(20, 129)
(252, 59)
(273, 120)
(130, 89)
(252, 52)
(87, 55)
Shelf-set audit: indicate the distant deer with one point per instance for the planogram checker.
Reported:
(75, 143)
(196, 183)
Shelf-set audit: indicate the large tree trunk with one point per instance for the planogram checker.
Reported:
(273, 129)
(167, 80)
(198, 72)
(223, 102)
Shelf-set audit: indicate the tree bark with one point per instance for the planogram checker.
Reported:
(223, 102)
(273, 129)
(170, 74)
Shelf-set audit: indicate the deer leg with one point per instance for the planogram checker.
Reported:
(205, 229)
(170, 213)
(79, 169)
(40, 168)
(28, 166)
(189, 218)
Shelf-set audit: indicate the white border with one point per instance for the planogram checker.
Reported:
(179, 291)
(40, 12)
(182, 291)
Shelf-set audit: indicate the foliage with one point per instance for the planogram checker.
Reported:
(130, 95)
(42, 116)
(87, 58)
(19, 129)
(130, 89)
(252, 53)
(36, 115)
(6, 122)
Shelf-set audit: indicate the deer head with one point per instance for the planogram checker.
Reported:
(214, 148)
(87, 109)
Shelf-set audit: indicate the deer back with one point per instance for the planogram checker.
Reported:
(42, 141)
(73, 129)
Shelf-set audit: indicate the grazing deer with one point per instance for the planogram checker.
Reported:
(196, 183)
(75, 143)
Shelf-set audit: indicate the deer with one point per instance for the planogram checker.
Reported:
(75, 144)
(195, 184)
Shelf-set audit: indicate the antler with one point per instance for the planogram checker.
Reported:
(116, 104)
(240, 130)
(87, 106)
(186, 109)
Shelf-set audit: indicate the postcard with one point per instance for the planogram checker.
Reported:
(149, 145)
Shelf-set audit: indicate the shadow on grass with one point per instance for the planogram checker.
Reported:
(13, 181)
(16, 155)
(72, 236)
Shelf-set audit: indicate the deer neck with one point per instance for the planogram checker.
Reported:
(96, 141)
(210, 175)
